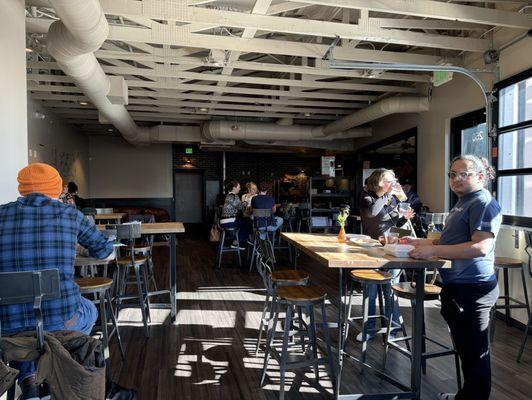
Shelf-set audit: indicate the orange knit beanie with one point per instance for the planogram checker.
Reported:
(40, 178)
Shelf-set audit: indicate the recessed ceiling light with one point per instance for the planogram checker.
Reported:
(204, 109)
(28, 50)
(110, 130)
(83, 103)
(307, 114)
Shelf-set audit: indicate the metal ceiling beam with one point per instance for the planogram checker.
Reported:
(436, 9)
(167, 71)
(368, 30)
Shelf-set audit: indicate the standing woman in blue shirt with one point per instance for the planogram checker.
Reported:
(469, 288)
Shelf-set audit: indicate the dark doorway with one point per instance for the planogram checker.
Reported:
(189, 197)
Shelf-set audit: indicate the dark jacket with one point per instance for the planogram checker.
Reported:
(378, 214)
(72, 364)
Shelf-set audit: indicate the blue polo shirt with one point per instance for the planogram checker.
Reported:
(477, 211)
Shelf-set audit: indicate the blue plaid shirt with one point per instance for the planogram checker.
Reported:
(37, 232)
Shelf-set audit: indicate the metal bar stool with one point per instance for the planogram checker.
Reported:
(528, 249)
(130, 232)
(407, 290)
(273, 280)
(100, 288)
(367, 277)
(227, 234)
(307, 297)
(510, 303)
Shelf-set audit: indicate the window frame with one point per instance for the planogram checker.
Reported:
(509, 219)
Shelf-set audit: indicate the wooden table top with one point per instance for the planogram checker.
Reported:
(328, 251)
(157, 228)
(110, 216)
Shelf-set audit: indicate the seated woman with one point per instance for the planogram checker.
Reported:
(251, 191)
(230, 217)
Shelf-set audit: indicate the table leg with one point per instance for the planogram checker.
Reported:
(173, 277)
(417, 335)
(507, 311)
(341, 315)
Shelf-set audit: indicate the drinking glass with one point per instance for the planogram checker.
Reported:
(392, 238)
(403, 208)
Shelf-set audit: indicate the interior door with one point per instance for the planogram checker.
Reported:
(188, 193)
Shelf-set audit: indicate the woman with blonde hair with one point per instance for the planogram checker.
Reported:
(251, 191)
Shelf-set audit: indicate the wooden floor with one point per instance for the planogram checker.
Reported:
(209, 353)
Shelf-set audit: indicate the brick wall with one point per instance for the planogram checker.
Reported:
(257, 167)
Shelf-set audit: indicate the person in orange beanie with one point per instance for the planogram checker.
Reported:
(38, 232)
(40, 178)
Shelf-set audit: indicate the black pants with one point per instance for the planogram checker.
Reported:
(466, 308)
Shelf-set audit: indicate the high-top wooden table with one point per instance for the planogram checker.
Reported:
(330, 253)
(171, 229)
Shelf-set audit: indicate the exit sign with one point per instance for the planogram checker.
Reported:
(189, 150)
(441, 77)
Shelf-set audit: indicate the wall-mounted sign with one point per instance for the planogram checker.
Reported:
(189, 150)
(327, 166)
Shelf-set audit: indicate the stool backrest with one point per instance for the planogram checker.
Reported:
(128, 231)
(262, 217)
(30, 287)
(147, 219)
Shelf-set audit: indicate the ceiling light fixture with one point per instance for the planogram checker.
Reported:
(83, 103)
(307, 114)
(204, 109)
(28, 50)
(110, 130)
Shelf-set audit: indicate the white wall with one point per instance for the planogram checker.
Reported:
(455, 98)
(14, 149)
(119, 170)
(52, 141)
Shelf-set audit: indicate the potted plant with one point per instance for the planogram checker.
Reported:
(342, 219)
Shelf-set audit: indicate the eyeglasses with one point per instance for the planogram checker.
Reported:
(460, 175)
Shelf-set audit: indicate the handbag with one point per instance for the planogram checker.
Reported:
(214, 235)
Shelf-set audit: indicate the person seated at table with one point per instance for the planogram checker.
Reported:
(469, 289)
(232, 211)
(37, 232)
(251, 191)
(378, 212)
(264, 201)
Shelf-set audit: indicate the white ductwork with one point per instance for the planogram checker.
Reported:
(257, 131)
(343, 128)
(72, 42)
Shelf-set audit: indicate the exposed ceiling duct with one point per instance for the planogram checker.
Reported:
(343, 128)
(72, 41)
(82, 30)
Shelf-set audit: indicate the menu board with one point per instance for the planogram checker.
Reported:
(327, 166)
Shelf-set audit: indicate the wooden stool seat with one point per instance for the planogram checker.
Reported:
(289, 276)
(298, 294)
(96, 283)
(129, 261)
(406, 290)
(370, 276)
(505, 262)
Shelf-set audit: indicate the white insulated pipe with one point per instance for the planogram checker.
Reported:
(391, 105)
(259, 131)
(72, 41)
(344, 128)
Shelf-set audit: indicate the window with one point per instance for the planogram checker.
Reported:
(514, 148)
(468, 136)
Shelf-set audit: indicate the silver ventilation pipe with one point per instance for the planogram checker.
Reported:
(72, 41)
(344, 128)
